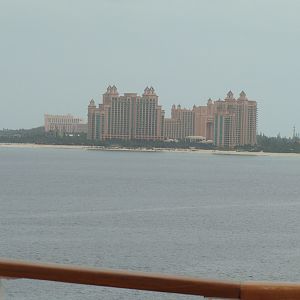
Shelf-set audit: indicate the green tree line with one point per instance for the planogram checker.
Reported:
(38, 135)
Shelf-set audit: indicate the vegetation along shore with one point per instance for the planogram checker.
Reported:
(36, 137)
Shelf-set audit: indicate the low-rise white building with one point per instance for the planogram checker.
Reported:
(64, 124)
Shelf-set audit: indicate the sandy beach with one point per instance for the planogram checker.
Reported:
(39, 146)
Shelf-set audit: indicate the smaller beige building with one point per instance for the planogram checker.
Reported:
(64, 124)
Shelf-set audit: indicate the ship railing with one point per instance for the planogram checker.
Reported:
(15, 269)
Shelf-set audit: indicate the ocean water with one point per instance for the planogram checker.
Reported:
(211, 216)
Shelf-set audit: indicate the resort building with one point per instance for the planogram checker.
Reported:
(180, 125)
(226, 123)
(204, 120)
(64, 124)
(127, 116)
(235, 121)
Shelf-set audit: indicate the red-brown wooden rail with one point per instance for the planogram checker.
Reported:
(149, 281)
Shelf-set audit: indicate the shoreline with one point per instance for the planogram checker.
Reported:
(163, 150)
(41, 146)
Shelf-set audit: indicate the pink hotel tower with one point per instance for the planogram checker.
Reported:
(226, 123)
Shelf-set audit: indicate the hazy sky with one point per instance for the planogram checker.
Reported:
(56, 55)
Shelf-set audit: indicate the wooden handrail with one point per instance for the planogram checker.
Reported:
(270, 291)
(149, 281)
(119, 279)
